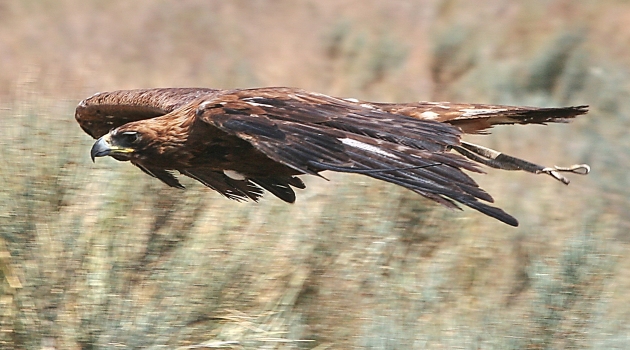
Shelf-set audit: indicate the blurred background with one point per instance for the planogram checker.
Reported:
(102, 256)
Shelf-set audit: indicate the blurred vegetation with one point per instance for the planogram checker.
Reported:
(102, 256)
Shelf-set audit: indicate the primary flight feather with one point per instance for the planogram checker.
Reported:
(241, 142)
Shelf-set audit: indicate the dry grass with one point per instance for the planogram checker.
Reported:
(102, 256)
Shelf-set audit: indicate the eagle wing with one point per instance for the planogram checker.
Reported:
(311, 132)
(478, 118)
(102, 112)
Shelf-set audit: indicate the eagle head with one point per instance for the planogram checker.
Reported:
(122, 145)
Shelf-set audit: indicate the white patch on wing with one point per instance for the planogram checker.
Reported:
(369, 148)
(443, 105)
(303, 96)
(203, 105)
(258, 104)
(234, 175)
(471, 112)
(429, 115)
(352, 100)
(249, 101)
(367, 105)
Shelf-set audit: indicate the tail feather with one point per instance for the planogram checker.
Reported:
(478, 118)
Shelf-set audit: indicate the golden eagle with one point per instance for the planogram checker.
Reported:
(241, 142)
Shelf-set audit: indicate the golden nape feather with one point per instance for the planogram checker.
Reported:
(245, 141)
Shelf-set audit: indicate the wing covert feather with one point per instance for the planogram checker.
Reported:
(100, 113)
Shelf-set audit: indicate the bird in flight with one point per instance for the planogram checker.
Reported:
(244, 141)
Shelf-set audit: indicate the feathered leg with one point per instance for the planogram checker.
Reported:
(498, 160)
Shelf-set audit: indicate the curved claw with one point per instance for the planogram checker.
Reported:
(581, 169)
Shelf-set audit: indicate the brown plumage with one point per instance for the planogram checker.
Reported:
(239, 142)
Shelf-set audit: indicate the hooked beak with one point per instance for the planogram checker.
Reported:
(103, 147)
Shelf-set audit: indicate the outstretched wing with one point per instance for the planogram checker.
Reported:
(100, 113)
(477, 118)
(311, 132)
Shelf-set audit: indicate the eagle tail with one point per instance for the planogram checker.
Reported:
(478, 118)
(479, 121)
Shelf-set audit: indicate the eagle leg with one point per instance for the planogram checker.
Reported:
(498, 160)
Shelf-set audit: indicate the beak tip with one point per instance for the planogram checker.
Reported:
(99, 149)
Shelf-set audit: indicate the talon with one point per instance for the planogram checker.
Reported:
(581, 169)
(554, 172)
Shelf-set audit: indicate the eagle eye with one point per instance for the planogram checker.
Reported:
(129, 137)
